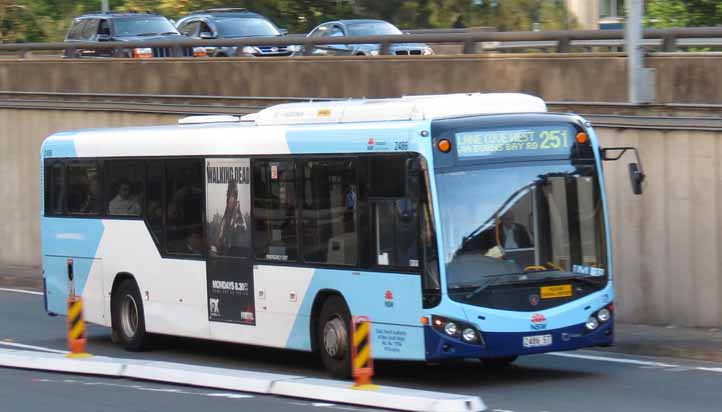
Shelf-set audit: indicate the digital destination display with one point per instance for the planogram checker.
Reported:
(515, 141)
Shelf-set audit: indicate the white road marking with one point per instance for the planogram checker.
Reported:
(615, 360)
(501, 410)
(29, 292)
(322, 404)
(718, 370)
(229, 395)
(40, 348)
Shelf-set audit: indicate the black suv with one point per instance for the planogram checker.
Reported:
(126, 26)
(233, 23)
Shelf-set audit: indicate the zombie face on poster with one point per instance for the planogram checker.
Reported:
(228, 205)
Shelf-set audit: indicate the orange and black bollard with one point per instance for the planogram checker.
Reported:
(361, 359)
(76, 324)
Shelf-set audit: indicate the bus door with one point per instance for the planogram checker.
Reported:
(229, 267)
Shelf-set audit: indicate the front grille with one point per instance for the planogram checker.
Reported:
(168, 52)
(274, 51)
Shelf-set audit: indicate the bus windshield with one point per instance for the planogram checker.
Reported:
(522, 224)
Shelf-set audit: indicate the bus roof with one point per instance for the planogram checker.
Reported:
(404, 108)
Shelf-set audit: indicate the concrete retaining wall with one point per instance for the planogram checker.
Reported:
(682, 77)
(667, 243)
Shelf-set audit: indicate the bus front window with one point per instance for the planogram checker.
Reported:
(521, 225)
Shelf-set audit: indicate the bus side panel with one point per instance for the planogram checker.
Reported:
(76, 239)
(391, 301)
(173, 290)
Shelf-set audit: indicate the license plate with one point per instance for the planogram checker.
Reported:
(537, 341)
(559, 291)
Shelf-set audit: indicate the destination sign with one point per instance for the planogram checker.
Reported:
(516, 141)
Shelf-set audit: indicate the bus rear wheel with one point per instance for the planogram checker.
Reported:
(128, 318)
(334, 337)
(498, 363)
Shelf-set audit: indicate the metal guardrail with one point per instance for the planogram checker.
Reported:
(669, 116)
(667, 40)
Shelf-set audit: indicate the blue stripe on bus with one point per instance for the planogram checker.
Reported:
(65, 238)
(399, 337)
(372, 138)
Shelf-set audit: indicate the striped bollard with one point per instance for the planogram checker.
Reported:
(76, 324)
(361, 360)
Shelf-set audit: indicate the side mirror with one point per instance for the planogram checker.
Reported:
(284, 32)
(636, 172)
(636, 177)
(207, 35)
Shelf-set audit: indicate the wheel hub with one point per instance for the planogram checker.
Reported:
(129, 316)
(335, 339)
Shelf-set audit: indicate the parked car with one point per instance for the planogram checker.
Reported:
(126, 26)
(233, 23)
(344, 28)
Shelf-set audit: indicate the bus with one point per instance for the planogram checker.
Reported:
(462, 226)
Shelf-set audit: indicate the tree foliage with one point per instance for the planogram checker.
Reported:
(683, 13)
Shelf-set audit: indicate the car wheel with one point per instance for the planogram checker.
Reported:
(128, 318)
(334, 337)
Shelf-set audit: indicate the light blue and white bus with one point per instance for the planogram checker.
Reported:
(463, 226)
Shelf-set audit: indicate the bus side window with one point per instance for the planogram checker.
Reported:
(54, 188)
(184, 208)
(125, 187)
(394, 213)
(329, 214)
(154, 199)
(84, 194)
(274, 211)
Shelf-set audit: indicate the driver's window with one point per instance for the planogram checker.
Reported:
(104, 28)
(190, 29)
(335, 31)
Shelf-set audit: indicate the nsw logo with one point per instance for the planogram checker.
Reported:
(389, 299)
(538, 322)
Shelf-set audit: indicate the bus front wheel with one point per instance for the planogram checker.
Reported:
(333, 337)
(128, 318)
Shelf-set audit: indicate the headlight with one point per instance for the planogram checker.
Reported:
(428, 51)
(469, 335)
(250, 50)
(450, 328)
(592, 323)
(603, 315)
(143, 53)
(200, 52)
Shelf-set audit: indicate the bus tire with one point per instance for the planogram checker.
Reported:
(128, 318)
(334, 337)
(498, 363)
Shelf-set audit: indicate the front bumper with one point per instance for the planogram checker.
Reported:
(502, 344)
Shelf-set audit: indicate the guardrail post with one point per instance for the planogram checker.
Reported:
(669, 43)
(563, 44)
(470, 46)
(385, 48)
(22, 53)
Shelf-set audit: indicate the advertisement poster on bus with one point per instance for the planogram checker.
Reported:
(228, 230)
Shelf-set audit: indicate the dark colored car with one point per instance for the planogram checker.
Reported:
(126, 26)
(344, 28)
(233, 24)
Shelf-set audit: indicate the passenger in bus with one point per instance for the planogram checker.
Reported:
(124, 203)
(350, 200)
(513, 235)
